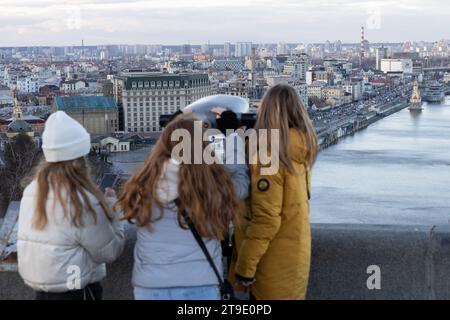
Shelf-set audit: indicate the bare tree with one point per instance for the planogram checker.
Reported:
(316, 101)
(20, 156)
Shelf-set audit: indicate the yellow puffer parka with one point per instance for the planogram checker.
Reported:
(274, 243)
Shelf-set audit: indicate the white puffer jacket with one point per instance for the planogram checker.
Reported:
(49, 258)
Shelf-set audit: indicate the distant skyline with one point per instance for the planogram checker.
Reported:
(172, 22)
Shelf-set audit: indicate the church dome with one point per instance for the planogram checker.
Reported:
(19, 126)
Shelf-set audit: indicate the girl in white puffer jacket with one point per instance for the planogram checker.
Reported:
(67, 229)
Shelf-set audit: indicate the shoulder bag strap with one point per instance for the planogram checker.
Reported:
(201, 244)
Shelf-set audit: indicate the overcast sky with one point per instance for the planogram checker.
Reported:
(67, 22)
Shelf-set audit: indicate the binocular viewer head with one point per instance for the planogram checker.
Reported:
(247, 120)
(202, 109)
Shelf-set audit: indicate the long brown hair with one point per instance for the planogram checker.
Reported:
(282, 109)
(205, 191)
(70, 182)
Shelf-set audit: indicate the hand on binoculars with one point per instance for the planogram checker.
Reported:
(187, 110)
(218, 110)
(110, 193)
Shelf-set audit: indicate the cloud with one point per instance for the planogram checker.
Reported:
(59, 22)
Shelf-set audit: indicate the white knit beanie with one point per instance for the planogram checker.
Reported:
(64, 138)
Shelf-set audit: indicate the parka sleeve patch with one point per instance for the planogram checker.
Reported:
(263, 185)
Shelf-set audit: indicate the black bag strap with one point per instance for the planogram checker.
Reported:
(201, 244)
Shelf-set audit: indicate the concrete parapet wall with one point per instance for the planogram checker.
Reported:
(414, 263)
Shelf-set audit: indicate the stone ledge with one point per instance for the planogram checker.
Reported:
(414, 263)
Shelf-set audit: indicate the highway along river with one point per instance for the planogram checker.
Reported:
(397, 171)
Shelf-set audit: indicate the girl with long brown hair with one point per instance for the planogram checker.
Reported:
(67, 229)
(168, 262)
(272, 252)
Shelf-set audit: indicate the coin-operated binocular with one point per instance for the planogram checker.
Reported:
(202, 109)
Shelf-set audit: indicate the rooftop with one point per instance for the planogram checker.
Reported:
(18, 126)
(73, 81)
(180, 79)
(28, 118)
(85, 102)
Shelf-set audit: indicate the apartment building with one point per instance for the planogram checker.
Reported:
(144, 96)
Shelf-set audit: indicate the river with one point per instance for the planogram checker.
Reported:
(397, 171)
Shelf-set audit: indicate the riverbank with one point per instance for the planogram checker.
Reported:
(347, 128)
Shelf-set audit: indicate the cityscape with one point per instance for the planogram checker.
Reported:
(120, 91)
(380, 110)
(327, 77)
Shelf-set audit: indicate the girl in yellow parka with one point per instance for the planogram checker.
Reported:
(273, 248)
